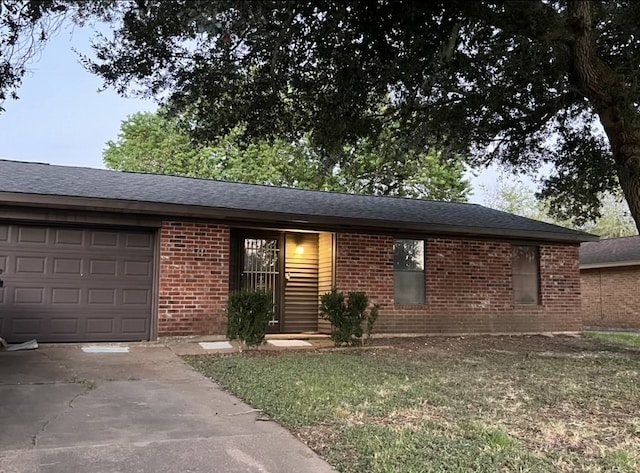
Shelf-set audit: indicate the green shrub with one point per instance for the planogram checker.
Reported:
(347, 317)
(249, 312)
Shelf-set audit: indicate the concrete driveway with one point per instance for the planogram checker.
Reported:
(63, 410)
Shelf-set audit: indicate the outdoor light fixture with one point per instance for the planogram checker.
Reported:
(300, 249)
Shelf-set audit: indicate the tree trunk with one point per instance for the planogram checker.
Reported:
(629, 178)
(605, 90)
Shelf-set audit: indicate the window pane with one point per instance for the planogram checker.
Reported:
(408, 255)
(525, 259)
(525, 290)
(525, 276)
(408, 287)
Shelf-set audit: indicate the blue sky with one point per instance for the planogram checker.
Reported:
(61, 118)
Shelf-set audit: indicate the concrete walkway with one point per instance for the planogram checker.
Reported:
(63, 410)
(193, 347)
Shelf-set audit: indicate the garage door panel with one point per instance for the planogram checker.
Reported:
(30, 264)
(101, 296)
(64, 326)
(58, 326)
(71, 284)
(103, 239)
(137, 268)
(132, 326)
(32, 235)
(101, 267)
(102, 326)
(27, 263)
(67, 266)
(68, 237)
(65, 296)
(135, 297)
(28, 295)
(138, 241)
(129, 328)
(26, 326)
(69, 293)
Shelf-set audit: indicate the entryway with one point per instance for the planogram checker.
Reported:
(295, 267)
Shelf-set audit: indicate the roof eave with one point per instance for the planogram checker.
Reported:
(295, 220)
(610, 264)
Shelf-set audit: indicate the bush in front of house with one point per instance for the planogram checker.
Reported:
(350, 318)
(249, 313)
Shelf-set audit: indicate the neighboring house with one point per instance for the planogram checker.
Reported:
(610, 273)
(94, 255)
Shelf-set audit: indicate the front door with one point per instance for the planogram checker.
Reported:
(261, 269)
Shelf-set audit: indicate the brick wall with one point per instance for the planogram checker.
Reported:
(468, 286)
(194, 279)
(610, 297)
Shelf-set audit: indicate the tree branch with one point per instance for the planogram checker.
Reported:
(280, 41)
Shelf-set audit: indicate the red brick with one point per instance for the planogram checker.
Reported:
(468, 286)
(610, 297)
(194, 279)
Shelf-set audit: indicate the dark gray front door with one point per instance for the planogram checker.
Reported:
(66, 284)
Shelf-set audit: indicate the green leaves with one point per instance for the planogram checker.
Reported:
(150, 143)
(350, 319)
(500, 82)
(248, 315)
(155, 143)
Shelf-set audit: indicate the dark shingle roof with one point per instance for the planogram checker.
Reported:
(267, 202)
(612, 251)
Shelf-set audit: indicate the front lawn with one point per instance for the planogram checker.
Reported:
(628, 340)
(485, 404)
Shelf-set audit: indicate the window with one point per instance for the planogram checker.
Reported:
(408, 271)
(526, 280)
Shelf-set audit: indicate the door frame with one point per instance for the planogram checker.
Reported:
(238, 238)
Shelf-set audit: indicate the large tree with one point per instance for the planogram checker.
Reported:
(516, 82)
(155, 143)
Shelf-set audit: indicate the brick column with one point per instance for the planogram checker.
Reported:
(194, 279)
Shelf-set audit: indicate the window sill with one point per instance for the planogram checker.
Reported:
(410, 306)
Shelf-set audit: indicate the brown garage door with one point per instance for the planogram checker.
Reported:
(64, 284)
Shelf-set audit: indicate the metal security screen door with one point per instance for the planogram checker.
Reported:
(261, 270)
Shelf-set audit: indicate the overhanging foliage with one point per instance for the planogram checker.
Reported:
(521, 83)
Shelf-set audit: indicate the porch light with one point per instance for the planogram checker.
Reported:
(300, 249)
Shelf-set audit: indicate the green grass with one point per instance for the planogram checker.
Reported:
(628, 340)
(452, 405)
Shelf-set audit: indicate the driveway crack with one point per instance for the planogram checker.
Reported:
(88, 386)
